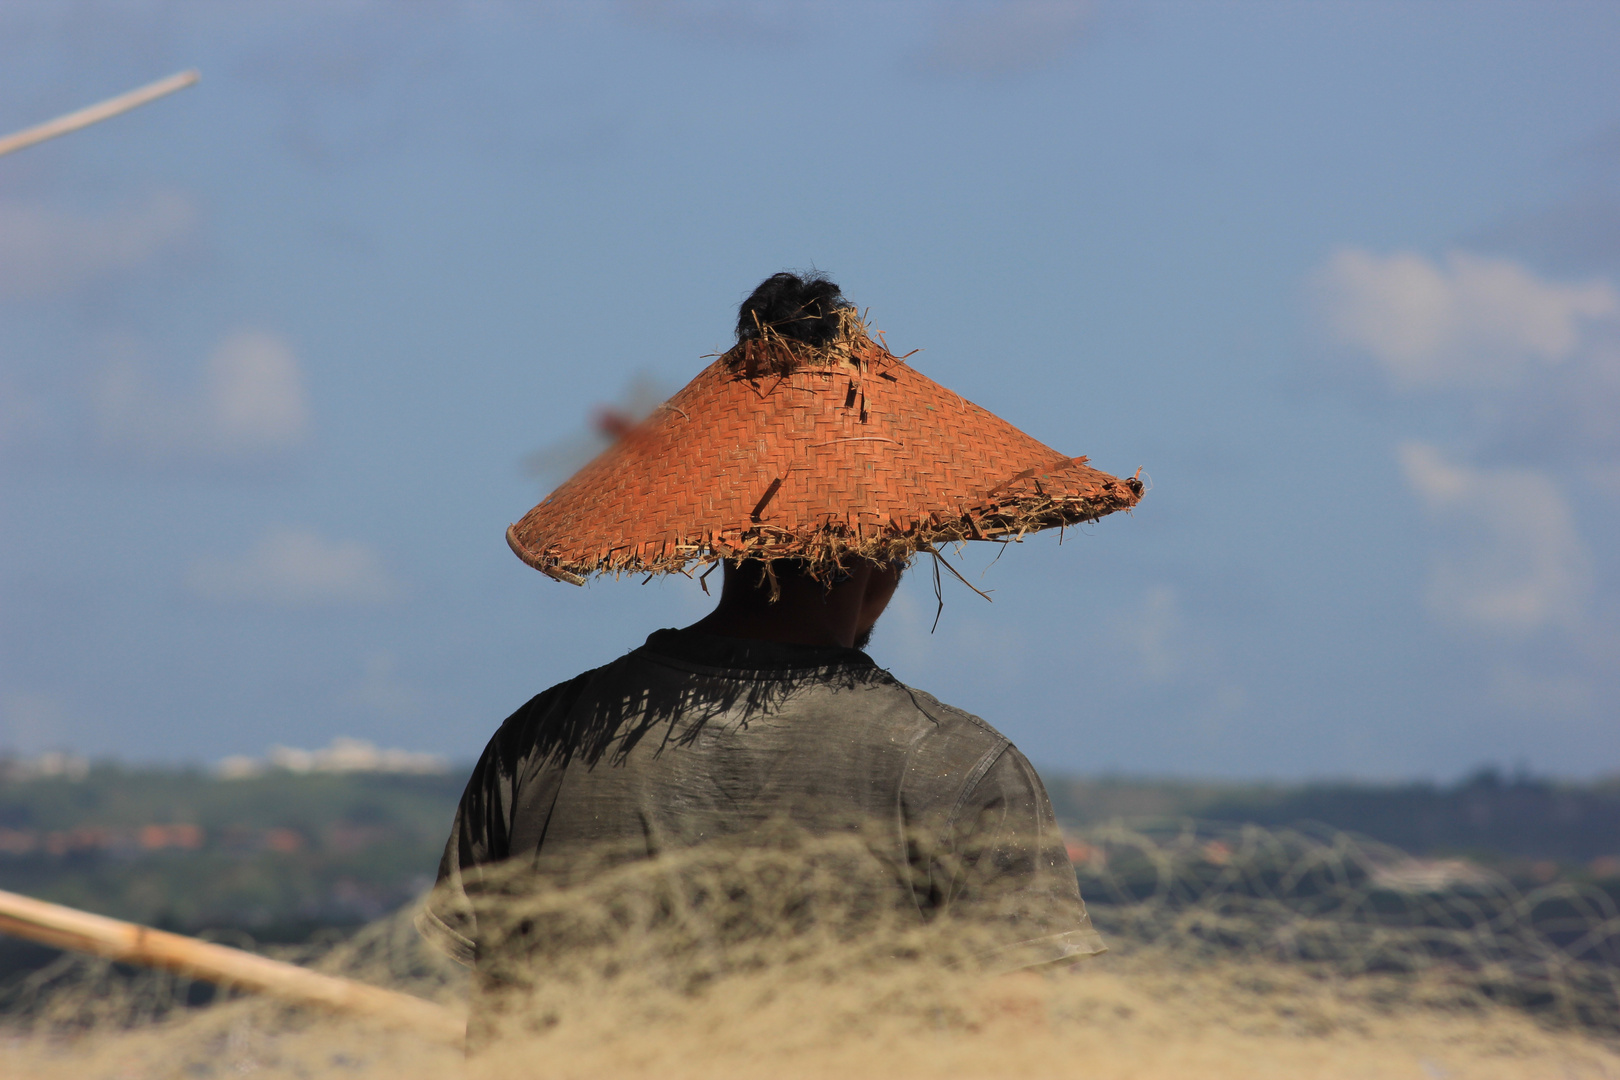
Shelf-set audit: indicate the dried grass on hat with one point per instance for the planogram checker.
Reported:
(808, 440)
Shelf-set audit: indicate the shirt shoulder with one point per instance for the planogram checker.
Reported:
(535, 728)
(949, 717)
(952, 750)
(953, 732)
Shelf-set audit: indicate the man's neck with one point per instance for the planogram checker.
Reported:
(788, 624)
(804, 613)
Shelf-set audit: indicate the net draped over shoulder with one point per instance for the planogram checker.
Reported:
(694, 740)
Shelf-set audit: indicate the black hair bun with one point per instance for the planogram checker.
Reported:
(803, 307)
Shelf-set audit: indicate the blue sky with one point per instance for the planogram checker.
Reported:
(1344, 279)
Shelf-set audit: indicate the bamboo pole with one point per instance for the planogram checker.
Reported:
(80, 931)
(73, 121)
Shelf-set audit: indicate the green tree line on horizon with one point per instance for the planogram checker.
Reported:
(281, 855)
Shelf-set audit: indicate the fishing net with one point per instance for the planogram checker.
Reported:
(1234, 952)
(1352, 908)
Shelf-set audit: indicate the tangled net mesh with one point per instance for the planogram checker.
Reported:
(1354, 908)
(1231, 948)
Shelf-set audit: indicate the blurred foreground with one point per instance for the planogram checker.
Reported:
(1127, 1016)
(1242, 952)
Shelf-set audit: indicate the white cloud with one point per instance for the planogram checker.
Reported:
(295, 568)
(255, 393)
(381, 687)
(1515, 561)
(1007, 37)
(252, 402)
(1155, 629)
(46, 251)
(1466, 320)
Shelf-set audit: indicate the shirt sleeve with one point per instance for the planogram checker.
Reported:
(481, 835)
(478, 837)
(1012, 878)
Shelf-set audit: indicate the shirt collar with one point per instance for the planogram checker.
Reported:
(751, 654)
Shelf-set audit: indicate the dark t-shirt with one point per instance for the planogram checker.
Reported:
(693, 738)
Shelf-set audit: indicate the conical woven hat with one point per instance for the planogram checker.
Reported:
(781, 450)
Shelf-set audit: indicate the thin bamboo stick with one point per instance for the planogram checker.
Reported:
(92, 114)
(80, 931)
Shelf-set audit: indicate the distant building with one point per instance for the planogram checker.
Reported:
(45, 766)
(344, 755)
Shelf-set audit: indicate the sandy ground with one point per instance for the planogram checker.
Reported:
(1115, 1017)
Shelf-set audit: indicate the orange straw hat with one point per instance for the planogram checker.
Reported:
(786, 450)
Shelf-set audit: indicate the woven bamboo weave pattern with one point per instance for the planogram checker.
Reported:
(767, 456)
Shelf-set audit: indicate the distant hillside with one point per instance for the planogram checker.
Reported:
(274, 854)
(1485, 816)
